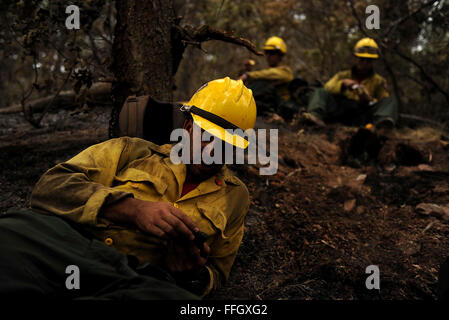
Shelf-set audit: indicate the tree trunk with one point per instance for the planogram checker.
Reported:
(142, 52)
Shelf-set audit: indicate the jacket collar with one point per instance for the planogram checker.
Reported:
(180, 170)
(356, 74)
(163, 149)
(215, 183)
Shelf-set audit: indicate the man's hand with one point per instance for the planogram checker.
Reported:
(348, 83)
(364, 95)
(243, 77)
(360, 89)
(184, 259)
(160, 219)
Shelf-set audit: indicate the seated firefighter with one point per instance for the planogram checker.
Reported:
(132, 220)
(270, 86)
(357, 96)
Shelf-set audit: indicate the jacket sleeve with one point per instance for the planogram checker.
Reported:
(334, 85)
(224, 251)
(79, 188)
(280, 74)
(381, 91)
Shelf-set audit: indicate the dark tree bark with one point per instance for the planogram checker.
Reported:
(142, 52)
(148, 48)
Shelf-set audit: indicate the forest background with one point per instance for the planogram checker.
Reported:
(39, 57)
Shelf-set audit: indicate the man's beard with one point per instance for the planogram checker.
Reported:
(202, 172)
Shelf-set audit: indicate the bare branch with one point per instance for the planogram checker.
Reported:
(356, 16)
(26, 112)
(94, 49)
(424, 73)
(421, 119)
(221, 7)
(187, 35)
(194, 44)
(36, 122)
(401, 20)
(206, 33)
(98, 94)
(47, 107)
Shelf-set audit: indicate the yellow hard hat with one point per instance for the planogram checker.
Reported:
(222, 105)
(275, 43)
(366, 48)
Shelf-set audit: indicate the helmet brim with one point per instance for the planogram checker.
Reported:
(367, 55)
(274, 49)
(220, 132)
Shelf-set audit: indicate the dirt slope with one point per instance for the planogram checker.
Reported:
(312, 228)
(302, 243)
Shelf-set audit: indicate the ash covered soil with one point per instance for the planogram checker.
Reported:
(313, 227)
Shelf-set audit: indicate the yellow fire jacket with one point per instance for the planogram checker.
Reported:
(123, 167)
(280, 75)
(375, 86)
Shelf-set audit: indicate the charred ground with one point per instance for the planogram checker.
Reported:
(313, 227)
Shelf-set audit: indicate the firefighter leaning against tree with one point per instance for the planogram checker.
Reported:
(355, 97)
(270, 86)
(130, 219)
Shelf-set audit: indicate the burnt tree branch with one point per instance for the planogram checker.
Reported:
(401, 20)
(98, 94)
(424, 74)
(206, 33)
(187, 35)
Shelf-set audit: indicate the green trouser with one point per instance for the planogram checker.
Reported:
(338, 108)
(265, 95)
(36, 249)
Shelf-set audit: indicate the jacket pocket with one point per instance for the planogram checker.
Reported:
(136, 177)
(215, 216)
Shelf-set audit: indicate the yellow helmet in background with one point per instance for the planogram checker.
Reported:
(275, 43)
(221, 105)
(366, 48)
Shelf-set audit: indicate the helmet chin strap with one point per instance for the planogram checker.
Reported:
(219, 121)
